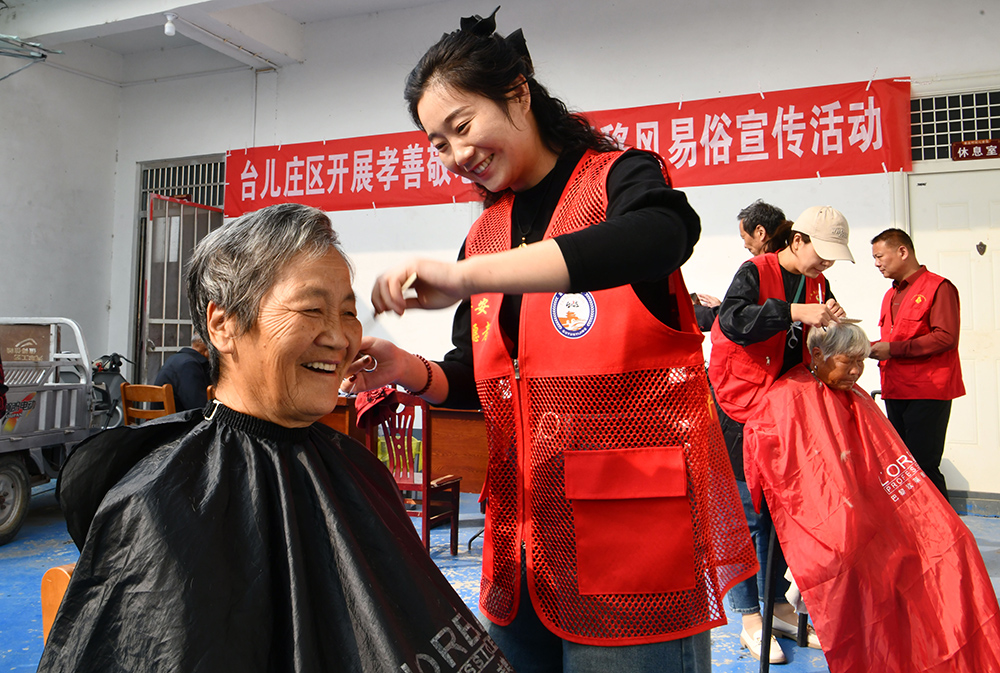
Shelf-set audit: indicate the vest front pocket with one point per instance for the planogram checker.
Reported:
(631, 520)
(908, 328)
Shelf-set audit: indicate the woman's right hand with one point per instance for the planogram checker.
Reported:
(393, 366)
(437, 284)
(390, 365)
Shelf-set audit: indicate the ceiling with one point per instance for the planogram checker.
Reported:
(258, 34)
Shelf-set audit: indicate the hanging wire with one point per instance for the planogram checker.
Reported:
(17, 48)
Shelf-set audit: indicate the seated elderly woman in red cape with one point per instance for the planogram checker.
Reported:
(892, 577)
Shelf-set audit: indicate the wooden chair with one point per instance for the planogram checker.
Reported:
(437, 499)
(54, 583)
(134, 396)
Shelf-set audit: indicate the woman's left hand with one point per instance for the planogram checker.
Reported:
(708, 300)
(836, 309)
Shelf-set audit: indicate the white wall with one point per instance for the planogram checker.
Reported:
(596, 56)
(629, 53)
(59, 139)
(180, 118)
(61, 181)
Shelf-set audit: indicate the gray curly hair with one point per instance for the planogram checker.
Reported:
(237, 264)
(839, 339)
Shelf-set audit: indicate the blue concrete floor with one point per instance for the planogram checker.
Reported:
(44, 542)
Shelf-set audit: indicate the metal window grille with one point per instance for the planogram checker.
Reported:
(202, 179)
(938, 121)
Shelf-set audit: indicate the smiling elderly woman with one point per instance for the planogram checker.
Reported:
(245, 536)
(891, 575)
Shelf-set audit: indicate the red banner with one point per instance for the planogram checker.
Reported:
(841, 129)
(384, 171)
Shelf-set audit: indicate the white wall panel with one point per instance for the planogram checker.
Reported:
(61, 174)
(57, 193)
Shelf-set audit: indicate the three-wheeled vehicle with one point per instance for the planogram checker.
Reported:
(51, 406)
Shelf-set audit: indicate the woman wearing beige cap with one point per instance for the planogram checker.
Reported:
(772, 302)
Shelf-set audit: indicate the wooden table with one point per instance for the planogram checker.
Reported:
(459, 440)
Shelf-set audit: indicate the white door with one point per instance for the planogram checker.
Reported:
(955, 225)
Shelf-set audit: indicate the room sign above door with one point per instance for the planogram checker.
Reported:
(966, 150)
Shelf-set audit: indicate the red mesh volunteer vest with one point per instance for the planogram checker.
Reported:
(934, 377)
(606, 460)
(741, 375)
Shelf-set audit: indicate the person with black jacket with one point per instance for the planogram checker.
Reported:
(189, 374)
(576, 336)
(773, 301)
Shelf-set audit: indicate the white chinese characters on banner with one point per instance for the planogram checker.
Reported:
(787, 131)
(617, 132)
(827, 123)
(387, 162)
(362, 171)
(436, 172)
(715, 140)
(413, 166)
(751, 127)
(837, 129)
(319, 174)
(684, 150)
(647, 135)
(294, 177)
(338, 169)
(758, 138)
(866, 128)
(248, 179)
(314, 173)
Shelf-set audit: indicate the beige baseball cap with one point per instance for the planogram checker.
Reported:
(827, 229)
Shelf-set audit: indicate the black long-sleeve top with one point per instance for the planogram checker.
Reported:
(649, 232)
(744, 321)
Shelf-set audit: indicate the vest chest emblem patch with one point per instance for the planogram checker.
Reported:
(573, 314)
(919, 299)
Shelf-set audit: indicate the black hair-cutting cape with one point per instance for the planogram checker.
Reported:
(233, 544)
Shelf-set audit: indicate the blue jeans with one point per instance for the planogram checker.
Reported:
(745, 598)
(532, 648)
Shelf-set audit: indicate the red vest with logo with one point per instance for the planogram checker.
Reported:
(932, 377)
(606, 460)
(741, 375)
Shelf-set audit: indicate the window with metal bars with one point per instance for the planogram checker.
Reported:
(938, 121)
(202, 179)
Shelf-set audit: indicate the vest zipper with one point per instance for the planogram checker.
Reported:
(524, 461)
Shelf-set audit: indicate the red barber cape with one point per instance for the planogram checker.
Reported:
(892, 577)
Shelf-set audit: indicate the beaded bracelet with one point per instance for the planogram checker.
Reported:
(430, 376)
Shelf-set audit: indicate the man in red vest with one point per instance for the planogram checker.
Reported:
(918, 351)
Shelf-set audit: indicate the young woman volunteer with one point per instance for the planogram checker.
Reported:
(610, 518)
(759, 335)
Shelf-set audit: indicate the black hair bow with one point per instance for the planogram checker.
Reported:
(479, 26)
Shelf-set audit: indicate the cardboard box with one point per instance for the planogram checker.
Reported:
(25, 343)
